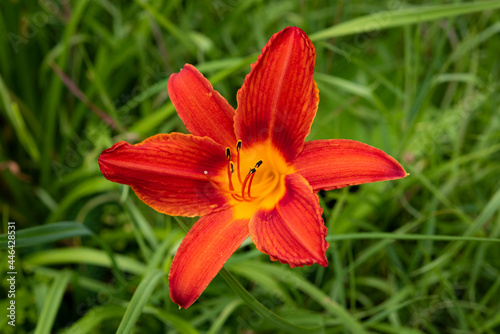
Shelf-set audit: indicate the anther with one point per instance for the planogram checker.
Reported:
(229, 172)
(228, 154)
(232, 167)
(257, 165)
(238, 146)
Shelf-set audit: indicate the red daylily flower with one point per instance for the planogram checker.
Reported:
(246, 172)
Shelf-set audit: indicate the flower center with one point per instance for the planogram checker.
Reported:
(253, 177)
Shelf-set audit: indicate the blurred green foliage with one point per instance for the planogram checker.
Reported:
(417, 79)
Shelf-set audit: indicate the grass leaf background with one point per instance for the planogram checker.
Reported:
(418, 79)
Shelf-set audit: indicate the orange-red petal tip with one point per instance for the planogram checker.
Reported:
(106, 160)
(202, 253)
(202, 109)
(279, 98)
(337, 163)
(293, 232)
(166, 172)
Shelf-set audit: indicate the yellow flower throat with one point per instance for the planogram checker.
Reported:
(263, 185)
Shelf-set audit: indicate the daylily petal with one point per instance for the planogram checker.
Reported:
(279, 98)
(166, 172)
(202, 253)
(293, 232)
(337, 163)
(202, 109)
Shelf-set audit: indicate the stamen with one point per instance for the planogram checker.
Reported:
(238, 149)
(250, 186)
(243, 186)
(257, 165)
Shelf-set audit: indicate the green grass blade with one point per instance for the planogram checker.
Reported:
(347, 320)
(160, 252)
(345, 85)
(38, 235)
(94, 317)
(266, 282)
(141, 223)
(89, 187)
(181, 36)
(146, 94)
(401, 17)
(181, 325)
(54, 92)
(489, 210)
(223, 74)
(83, 255)
(226, 312)
(147, 124)
(138, 301)
(400, 236)
(260, 309)
(16, 120)
(52, 303)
